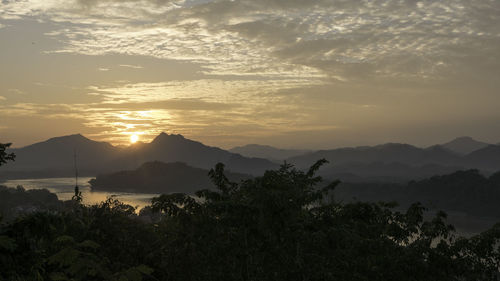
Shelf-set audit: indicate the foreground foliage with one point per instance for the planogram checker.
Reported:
(462, 191)
(4, 156)
(281, 226)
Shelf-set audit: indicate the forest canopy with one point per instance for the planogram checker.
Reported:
(283, 225)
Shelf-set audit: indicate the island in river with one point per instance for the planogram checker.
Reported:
(160, 177)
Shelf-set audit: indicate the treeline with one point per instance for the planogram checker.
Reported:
(464, 191)
(17, 201)
(281, 226)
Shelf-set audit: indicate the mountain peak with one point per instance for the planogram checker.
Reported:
(164, 136)
(464, 145)
(395, 145)
(69, 138)
(464, 138)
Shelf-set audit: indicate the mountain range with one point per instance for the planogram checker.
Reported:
(55, 157)
(390, 162)
(399, 162)
(386, 162)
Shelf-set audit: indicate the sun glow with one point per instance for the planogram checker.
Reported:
(134, 138)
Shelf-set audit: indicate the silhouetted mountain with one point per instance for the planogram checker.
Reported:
(54, 157)
(391, 162)
(487, 158)
(176, 148)
(159, 177)
(464, 145)
(268, 152)
(386, 153)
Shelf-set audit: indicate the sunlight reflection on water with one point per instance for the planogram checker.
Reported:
(64, 189)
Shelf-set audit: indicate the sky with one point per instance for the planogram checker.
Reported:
(289, 73)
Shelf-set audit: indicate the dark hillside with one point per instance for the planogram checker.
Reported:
(159, 177)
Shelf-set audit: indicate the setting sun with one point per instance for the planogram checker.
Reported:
(134, 138)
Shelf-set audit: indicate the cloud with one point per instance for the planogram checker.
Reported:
(131, 66)
(213, 90)
(98, 2)
(16, 91)
(262, 61)
(344, 40)
(193, 108)
(199, 107)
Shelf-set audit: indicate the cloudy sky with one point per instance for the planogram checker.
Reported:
(289, 73)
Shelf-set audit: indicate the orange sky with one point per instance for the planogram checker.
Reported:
(294, 73)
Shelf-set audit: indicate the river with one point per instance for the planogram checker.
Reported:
(466, 225)
(64, 189)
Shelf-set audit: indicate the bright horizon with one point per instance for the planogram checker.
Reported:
(309, 74)
(137, 138)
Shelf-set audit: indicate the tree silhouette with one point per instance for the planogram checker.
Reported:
(4, 156)
(280, 226)
(78, 195)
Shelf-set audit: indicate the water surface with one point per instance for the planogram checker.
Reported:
(64, 189)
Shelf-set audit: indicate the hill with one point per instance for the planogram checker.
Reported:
(394, 162)
(159, 177)
(464, 145)
(54, 157)
(386, 153)
(466, 191)
(487, 158)
(268, 152)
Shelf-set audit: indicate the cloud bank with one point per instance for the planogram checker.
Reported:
(276, 65)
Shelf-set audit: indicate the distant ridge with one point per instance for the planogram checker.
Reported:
(54, 157)
(385, 153)
(268, 152)
(464, 145)
(385, 162)
(395, 162)
(487, 158)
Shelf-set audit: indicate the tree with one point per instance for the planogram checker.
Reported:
(4, 156)
(281, 226)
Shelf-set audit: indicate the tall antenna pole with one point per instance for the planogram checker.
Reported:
(76, 170)
(78, 195)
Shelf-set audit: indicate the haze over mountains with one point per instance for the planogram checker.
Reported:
(386, 162)
(401, 162)
(55, 157)
(464, 145)
(268, 152)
